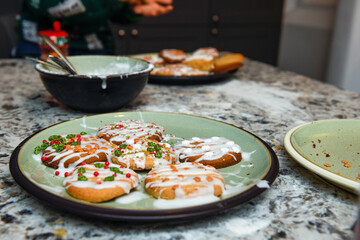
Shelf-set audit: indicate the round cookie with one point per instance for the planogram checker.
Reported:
(117, 133)
(184, 180)
(153, 59)
(228, 62)
(207, 51)
(172, 55)
(177, 70)
(218, 152)
(100, 182)
(143, 154)
(68, 151)
(200, 62)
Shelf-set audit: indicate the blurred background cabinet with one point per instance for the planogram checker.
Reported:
(249, 27)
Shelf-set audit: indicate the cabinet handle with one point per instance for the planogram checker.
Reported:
(135, 32)
(122, 33)
(214, 31)
(215, 18)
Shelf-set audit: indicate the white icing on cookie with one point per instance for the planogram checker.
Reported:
(96, 177)
(208, 148)
(204, 178)
(130, 129)
(136, 153)
(90, 146)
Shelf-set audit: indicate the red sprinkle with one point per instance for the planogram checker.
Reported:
(106, 167)
(121, 166)
(66, 174)
(78, 140)
(44, 141)
(44, 158)
(57, 142)
(83, 163)
(128, 175)
(52, 142)
(80, 174)
(57, 173)
(114, 175)
(107, 163)
(78, 136)
(96, 174)
(98, 182)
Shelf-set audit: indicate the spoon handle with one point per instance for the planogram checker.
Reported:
(61, 63)
(58, 52)
(46, 63)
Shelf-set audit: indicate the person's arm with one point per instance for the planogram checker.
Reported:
(151, 8)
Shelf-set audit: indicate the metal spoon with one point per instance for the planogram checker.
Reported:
(61, 63)
(47, 63)
(58, 52)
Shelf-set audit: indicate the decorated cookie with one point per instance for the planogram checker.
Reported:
(184, 180)
(172, 55)
(218, 152)
(100, 182)
(228, 62)
(178, 70)
(154, 59)
(200, 62)
(143, 154)
(117, 133)
(207, 51)
(71, 150)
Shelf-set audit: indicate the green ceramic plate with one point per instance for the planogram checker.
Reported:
(244, 180)
(329, 148)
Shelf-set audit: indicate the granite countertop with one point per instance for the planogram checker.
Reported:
(259, 98)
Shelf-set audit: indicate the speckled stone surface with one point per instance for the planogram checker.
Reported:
(260, 98)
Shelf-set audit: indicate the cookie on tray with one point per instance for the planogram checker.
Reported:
(228, 62)
(172, 55)
(207, 51)
(184, 180)
(218, 152)
(200, 62)
(71, 150)
(100, 182)
(143, 154)
(117, 133)
(177, 70)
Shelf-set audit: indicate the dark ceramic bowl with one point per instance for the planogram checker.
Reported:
(103, 83)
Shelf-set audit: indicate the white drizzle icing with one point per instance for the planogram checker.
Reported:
(36, 157)
(202, 57)
(185, 174)
(169, 53)
(137, 151)
(120, 180)
(65, 155)
(213, 52)
(178, 70)
(130, 129)
(132, 197)
(263, 184)
(208, 148)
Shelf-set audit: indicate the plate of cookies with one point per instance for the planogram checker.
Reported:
(204, 65)
(144, 166)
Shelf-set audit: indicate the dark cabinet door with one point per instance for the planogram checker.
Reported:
(244, 12)
(251, 27)
(254, 42)
(154, 39)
